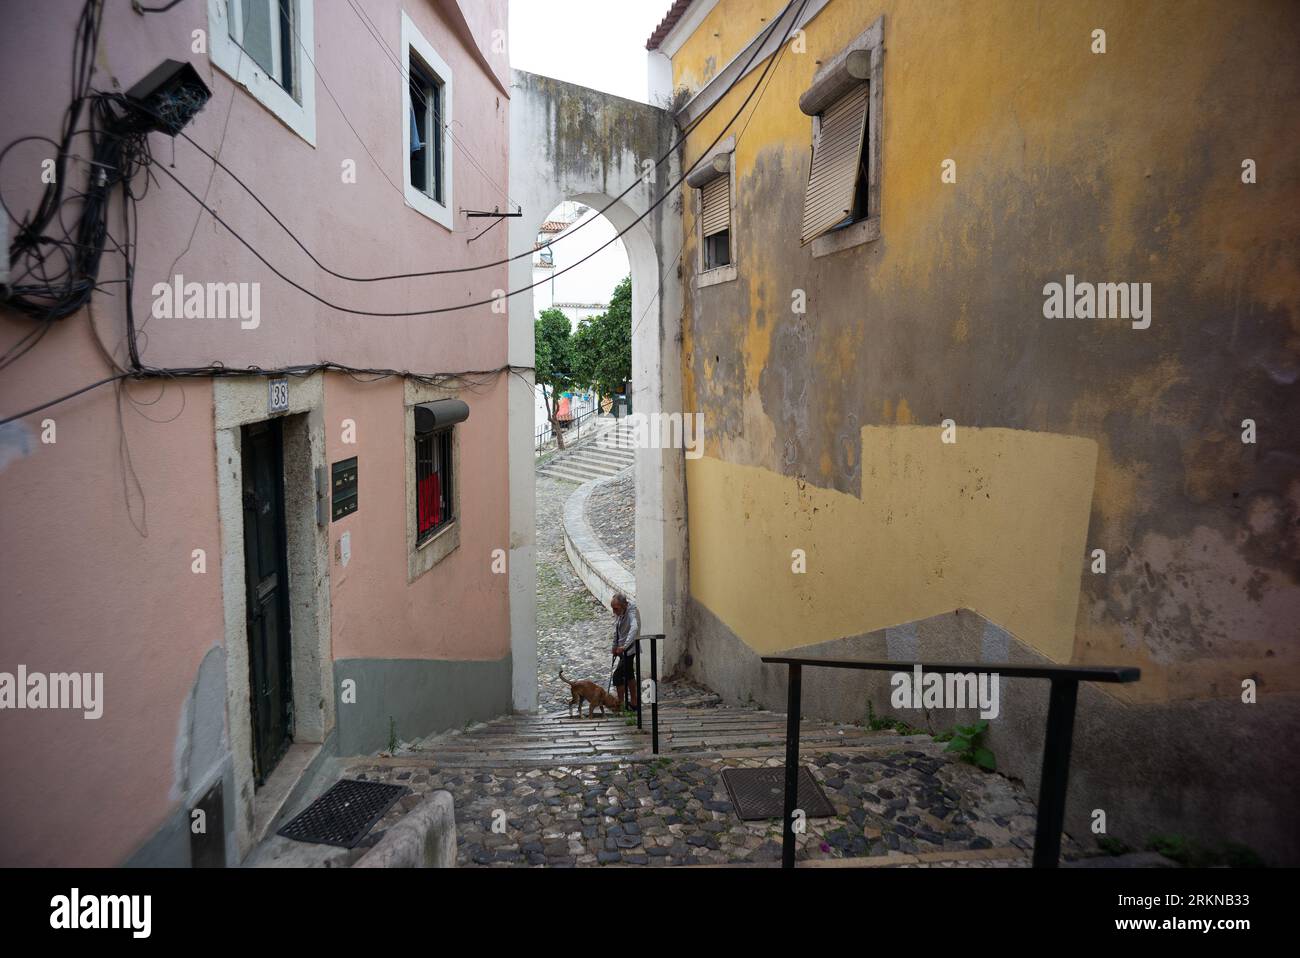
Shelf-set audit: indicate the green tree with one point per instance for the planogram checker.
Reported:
(602, 345)
(553, 361)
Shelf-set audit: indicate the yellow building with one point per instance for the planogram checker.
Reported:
(992, 316)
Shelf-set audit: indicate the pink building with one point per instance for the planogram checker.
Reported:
(274, 568)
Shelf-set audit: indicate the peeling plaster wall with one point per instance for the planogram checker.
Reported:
(1115, 167)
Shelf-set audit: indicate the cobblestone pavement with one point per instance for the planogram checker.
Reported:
(574, 631)
(611, 511)
(905, 803)
(909, 805)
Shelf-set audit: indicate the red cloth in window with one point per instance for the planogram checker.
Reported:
(429, 502)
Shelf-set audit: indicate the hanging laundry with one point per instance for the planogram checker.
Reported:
(416, 145)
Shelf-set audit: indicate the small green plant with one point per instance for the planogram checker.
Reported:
(880, 723)
(1193, 854)
(967, 740)
(392, 734)
(1113, 846)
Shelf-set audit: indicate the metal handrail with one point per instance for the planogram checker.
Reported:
(546, 433)
(1057, 743)
(654, 681)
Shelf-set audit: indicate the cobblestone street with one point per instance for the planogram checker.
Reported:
(908, 804)
(549, 790)
(574, 631)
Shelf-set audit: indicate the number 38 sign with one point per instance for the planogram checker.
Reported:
(278, 401)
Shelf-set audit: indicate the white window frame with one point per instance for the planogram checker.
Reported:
(867, 229)
(440, 213)
(298, 115)
(718, 274)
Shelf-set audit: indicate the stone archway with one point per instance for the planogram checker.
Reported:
(571, 143)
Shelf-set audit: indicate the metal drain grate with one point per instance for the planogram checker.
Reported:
(344, 814)
(758, 793)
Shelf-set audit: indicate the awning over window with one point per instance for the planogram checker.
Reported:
(718, 164)
(441, 412)
(836, 156)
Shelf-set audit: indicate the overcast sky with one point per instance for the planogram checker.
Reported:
(595, 43)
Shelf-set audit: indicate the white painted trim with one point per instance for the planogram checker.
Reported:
(690, 21)
(226, 56)
(736, 69)
(440, 213)
(719, 274)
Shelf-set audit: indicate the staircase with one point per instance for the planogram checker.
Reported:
(694, 724)
(606, 451)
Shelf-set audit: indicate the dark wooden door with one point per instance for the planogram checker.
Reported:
(266, 575)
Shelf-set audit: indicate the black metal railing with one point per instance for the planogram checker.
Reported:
(1057, 743)
(654, 684)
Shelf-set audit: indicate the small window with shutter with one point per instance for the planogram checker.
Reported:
(715, 222)
(837, 178)
(712, 179)
(842, 200)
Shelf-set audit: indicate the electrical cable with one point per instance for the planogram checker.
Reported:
(505, 294)
(140, 158)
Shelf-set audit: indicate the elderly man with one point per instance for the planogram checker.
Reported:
(627, 629)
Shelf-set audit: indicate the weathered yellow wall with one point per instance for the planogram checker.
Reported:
(1118, 167)
(914, 543)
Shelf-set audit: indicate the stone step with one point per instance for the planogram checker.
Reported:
(579, 463)
(614, 456)
(556, 472)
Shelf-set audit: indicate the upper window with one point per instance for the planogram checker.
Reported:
(425, 94)
(842, 200)
(265, 29)
(714, 181)
(836, 195)
(715, 222)
(260, 44)
(426, 126)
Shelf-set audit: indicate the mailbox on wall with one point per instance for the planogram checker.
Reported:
(343, 485)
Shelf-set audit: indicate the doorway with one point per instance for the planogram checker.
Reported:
(266, 578)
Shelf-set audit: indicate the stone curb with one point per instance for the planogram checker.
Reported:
(424, 838)
(600, 572)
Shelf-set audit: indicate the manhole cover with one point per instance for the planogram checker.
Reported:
(344, 814)
(758, 793)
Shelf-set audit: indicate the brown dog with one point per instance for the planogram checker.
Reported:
(592, 694)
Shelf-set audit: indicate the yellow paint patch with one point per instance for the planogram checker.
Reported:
(996, 522)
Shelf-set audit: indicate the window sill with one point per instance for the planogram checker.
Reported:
(300, 117)
(434, 549)
(712, 277)
(424, 203)
(863, 231)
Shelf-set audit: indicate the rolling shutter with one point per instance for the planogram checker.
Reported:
(715, 205)
(836, 156)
